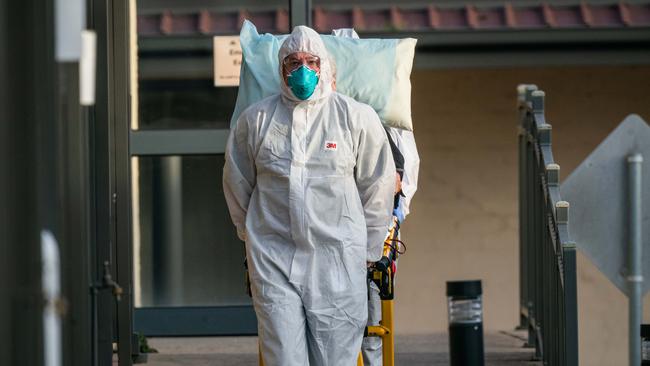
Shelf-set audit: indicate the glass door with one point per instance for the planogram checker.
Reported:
(188, 264)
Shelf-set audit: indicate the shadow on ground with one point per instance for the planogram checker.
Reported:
(502, 348)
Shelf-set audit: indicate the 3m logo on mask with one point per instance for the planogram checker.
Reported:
(330, 145)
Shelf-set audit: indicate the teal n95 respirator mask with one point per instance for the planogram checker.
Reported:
(302, 82)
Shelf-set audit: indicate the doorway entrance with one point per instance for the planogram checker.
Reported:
(188, 264)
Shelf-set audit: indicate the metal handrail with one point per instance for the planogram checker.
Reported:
(547, 257)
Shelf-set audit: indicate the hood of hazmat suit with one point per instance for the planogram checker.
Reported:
(304, 39)
(309, 186)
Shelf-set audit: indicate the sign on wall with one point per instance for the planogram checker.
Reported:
(227, 60)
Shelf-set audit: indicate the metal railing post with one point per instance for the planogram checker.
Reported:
(547, 257)
(570, 303)
(527, 221)
(634, 269)
(522, 137)
(523, 91)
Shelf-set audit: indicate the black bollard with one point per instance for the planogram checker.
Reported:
(465, 323)
(645, 344)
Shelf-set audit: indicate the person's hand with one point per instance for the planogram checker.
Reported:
(398, 183)
(241, 233)
(369, 264)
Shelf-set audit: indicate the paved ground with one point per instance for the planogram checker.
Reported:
(501, 348)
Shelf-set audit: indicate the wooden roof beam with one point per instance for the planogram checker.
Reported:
(510, 15)
(587, 14)
(549, 16)
(434, 17)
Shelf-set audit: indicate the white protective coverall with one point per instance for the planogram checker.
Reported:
(309, 186)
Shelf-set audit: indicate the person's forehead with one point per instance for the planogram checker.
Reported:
(300, 55)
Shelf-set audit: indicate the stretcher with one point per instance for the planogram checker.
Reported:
(385, 331)
(382, 273)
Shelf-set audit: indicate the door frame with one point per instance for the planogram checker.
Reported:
(163, 321)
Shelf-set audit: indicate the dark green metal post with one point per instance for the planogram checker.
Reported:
(299, 12)
(28, 179)
(548, 268)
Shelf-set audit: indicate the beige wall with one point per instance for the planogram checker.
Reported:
(464, 221)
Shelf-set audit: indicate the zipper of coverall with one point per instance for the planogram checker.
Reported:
(304, 169)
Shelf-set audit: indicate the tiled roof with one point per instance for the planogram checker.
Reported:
(507, 17)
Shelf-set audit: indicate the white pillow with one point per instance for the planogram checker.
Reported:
(372, 71)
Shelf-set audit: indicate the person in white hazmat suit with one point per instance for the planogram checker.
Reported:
(309, 182)
(406, 185)
(371, 347)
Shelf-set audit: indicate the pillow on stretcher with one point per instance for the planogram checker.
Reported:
(372, 71)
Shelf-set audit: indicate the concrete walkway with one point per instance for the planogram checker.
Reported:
(501, 348)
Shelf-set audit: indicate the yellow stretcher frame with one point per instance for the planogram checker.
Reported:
(385, 330)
